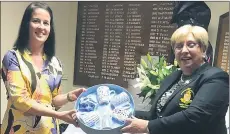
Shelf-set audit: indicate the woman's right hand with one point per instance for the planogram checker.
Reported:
(68, 116)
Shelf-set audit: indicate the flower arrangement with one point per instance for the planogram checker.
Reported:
(151, 75)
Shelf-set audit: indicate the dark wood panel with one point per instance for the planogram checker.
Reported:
(222, 44)
(112, 36)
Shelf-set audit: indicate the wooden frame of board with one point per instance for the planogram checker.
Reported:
(219, 52)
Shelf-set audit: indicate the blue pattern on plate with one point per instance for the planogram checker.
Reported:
(92, 105)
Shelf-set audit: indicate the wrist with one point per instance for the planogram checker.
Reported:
(69, 98)
(56, 115)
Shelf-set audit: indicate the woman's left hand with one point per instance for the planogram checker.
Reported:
(68, 116)
(135, 125)
(73, 95)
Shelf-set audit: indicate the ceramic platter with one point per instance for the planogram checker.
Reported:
(102, 109)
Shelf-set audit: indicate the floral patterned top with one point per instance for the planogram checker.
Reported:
(25, 84)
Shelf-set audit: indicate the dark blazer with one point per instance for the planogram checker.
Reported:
(196, 108)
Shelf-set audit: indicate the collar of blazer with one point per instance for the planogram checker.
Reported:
(172, 79)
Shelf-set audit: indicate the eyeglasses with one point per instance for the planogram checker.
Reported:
(189, 45)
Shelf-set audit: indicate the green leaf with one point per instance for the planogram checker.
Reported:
(144, 92)
(143, 63)
(153, 72)
(158, 80)
(149, 58)
(161, 62)
(151, 76)
(165, 64)
(153, 79)
(153, 86)
(166, 72)
(161, 76)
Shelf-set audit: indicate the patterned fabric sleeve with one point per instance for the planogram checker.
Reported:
(15, 84)
(58, 72)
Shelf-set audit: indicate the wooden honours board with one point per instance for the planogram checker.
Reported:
(112, 36)
(222, 45)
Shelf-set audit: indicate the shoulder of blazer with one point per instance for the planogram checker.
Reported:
(212, 73)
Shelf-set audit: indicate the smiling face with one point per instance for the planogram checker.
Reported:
(39, 27)
(188, 54)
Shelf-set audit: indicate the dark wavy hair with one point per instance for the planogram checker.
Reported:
(23, 35)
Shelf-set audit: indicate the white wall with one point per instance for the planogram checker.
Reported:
(217, 9)
(65, 18)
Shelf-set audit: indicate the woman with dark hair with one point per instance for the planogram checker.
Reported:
(24, 32)
(32, 76)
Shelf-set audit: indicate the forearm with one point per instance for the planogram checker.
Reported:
(60, 100)
(41, 110)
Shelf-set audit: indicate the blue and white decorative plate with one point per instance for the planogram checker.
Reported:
(103, 109)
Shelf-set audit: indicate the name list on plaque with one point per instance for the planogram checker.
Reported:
(112, 36)
(222, 45)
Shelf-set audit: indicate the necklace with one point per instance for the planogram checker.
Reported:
(184, 81)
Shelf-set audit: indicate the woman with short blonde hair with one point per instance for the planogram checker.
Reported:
(199, 34)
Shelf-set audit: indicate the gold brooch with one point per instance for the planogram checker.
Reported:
(187, 98)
